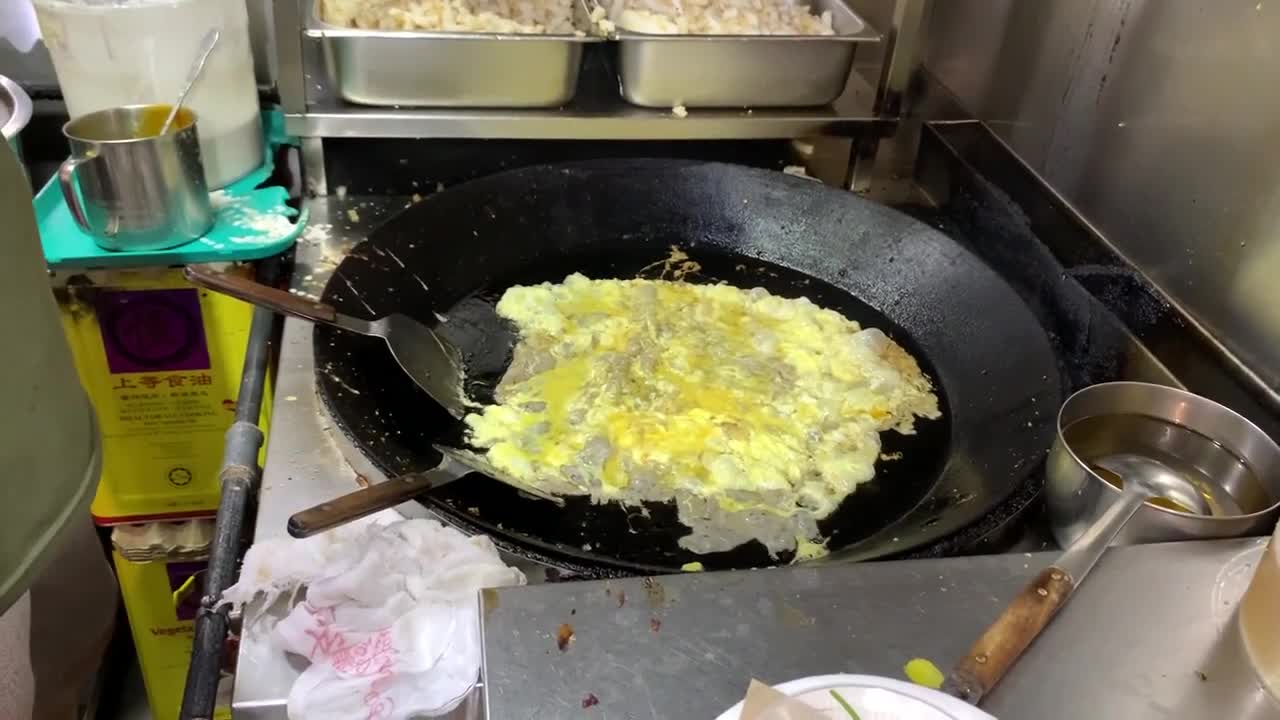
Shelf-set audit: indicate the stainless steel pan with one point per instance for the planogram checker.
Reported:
(15, 113)
(742, 70)
(1231, 460)
(449, 69)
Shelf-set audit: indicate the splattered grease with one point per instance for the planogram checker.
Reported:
(756, 414)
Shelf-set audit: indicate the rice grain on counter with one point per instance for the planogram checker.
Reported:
(495, 16)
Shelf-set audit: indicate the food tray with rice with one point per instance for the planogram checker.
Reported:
(451, 53)
(732, 53)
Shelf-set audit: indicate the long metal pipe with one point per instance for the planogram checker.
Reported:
(239, 478)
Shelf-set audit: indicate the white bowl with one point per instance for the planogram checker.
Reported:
(874, 698)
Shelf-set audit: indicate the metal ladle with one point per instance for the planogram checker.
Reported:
(206, 47)
(1029, 613)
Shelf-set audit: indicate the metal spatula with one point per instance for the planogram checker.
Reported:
(455, 465)
(434, 364)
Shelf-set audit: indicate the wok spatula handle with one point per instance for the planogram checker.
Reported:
(1011, 634)
(243, 288)
(367, 501)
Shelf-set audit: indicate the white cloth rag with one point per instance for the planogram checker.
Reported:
(390, 622)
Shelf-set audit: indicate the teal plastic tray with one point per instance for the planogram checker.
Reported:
(250, 222)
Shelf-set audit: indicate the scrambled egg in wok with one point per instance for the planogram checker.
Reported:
(757, 414)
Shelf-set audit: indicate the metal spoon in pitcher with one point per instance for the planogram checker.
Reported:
(206, 47)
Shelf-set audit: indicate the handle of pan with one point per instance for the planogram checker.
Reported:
(243, 288)
(369, 500)
(1031, 610)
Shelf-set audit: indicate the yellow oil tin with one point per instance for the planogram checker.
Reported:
(161, 361)
(161, 586)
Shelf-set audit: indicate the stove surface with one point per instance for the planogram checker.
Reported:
(311, 456)
(1098, 311)
(1106, 321)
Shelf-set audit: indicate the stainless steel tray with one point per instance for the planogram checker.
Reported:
(449, 69)
(742, 70)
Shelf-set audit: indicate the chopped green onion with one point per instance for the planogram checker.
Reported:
(845, 704)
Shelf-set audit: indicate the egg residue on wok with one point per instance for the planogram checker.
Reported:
(756, 414)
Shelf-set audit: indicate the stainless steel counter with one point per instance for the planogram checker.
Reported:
(309, 460)
(1151, 635)
(304, 460)
(306, 456)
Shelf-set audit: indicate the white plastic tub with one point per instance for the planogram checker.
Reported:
(109, 53)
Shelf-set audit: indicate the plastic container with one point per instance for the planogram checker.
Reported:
(1260, 618)
(872, 697)
(133, 52)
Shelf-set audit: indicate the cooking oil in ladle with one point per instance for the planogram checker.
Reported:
(1205, 478)
(1168, 503)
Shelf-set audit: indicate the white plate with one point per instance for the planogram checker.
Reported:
(874, 698)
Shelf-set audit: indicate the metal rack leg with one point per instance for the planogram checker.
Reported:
(903, 61)
(239, 477)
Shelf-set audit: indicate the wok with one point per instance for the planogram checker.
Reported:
(453, 255)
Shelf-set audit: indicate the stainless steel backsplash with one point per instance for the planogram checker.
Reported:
(1158, 121)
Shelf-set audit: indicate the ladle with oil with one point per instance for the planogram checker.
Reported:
(1140, 477)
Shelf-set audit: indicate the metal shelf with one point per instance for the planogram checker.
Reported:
(598, 112)
(571, 123)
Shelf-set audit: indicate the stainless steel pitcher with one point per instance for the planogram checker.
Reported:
(131, 188)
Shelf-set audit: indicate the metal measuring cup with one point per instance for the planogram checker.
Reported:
(132, 188)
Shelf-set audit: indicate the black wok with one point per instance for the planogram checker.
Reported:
(990, 360)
